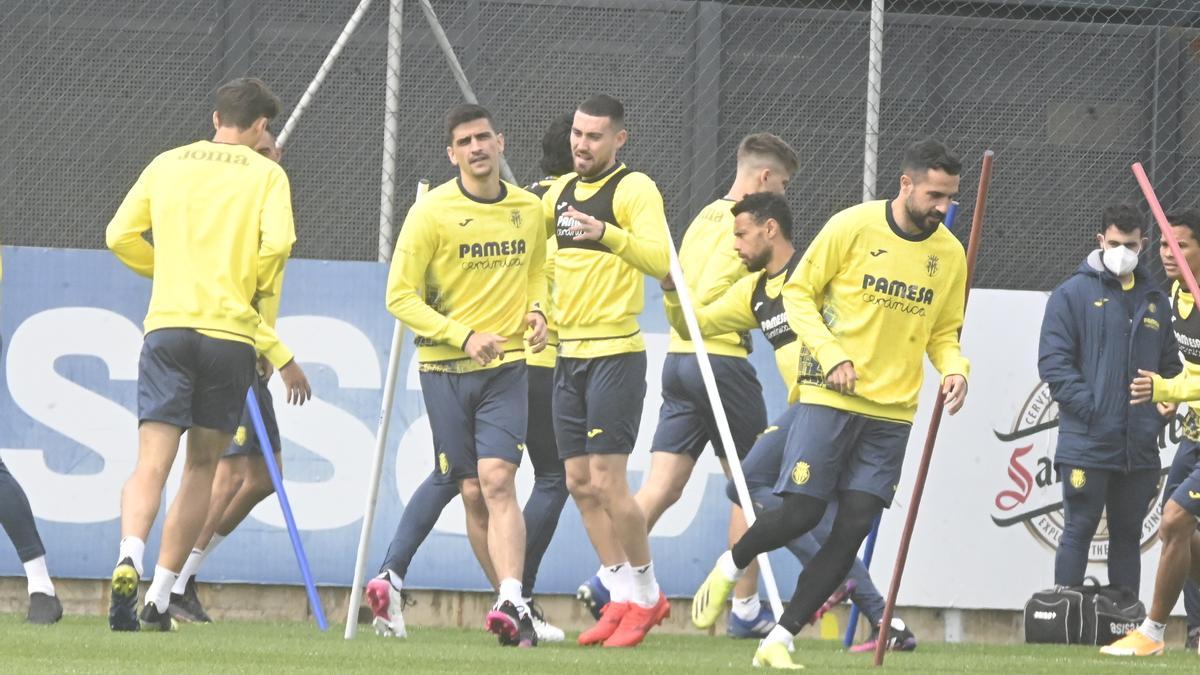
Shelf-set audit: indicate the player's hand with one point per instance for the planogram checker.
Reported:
(667, 283)
(954, 388)
(537, 323)
(586, 228)
(295, 383)
(265, 369)
(842, 378)
(1167, 410)
(1142, 388)
(483, 348)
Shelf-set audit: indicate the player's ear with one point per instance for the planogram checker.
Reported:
(906, 183)
(1145, 245)
(500, 140)
(622, 136)
(450, 155)
(763, 175)
(216, 121)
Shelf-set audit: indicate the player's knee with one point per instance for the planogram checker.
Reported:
(259, 485)
(1177, 525)
(497, 487)
(472, 494)
(581, 488)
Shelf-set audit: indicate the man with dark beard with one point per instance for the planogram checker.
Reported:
(882, 285)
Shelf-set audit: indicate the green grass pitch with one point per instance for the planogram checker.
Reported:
(85, 645)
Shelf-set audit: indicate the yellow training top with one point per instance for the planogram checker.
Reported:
(464, 264)
(221, 219)
(598, 285)
(755, 301)
(710, 266)
(868, 293)
(1184, 387)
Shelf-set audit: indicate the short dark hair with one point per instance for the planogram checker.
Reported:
(1189, 218)
(1122, 216)
(244, 101)
(463, 113)
(763, 205)
(603, 105)
(556, 147)
(929, 154)
(770, 147)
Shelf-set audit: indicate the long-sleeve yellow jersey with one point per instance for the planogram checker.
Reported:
(465, 264)
(869, 293)
(754, 301)
(599, 285)
(221, 218)
(1184, 387)
(710, 267)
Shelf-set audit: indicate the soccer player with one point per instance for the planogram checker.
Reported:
(610, 229)
(544, 506)
(242, 480)
(1180, 556)
(1107, 449)
(686, 424)
(221, 219)
(17, 520)
(467, 278)
(762, 235)
(882, 284)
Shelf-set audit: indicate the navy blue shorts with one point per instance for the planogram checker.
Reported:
(1183, 480)
(245, 440)
(762, 465)
(686, 422)
(476, 415)
(191, 380)
(830, 451)
(598, 404)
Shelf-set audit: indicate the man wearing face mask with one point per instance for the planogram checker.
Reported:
(1102, 325)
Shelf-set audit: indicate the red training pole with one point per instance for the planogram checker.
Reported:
(910, 521)
(1189, 279)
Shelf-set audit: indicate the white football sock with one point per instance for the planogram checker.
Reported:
(160, 588)
(747, 609)
(396, 580)
(134, 549)
(1153, 629)
(189, 570)
(607, 577)
(781, 635)
(645, 586)
(510, 590)
(728, 567)
(621, 588)
(37, 577)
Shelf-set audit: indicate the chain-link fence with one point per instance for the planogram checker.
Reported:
(1067, 92)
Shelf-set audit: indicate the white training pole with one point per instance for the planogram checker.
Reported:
(456, 69)
(391, 127)
(326, 66)
(714, 399)
(874, 84)
(385, 417)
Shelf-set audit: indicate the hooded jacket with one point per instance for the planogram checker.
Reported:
(1089, 352)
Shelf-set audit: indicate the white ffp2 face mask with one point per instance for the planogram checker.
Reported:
(1119, 260)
